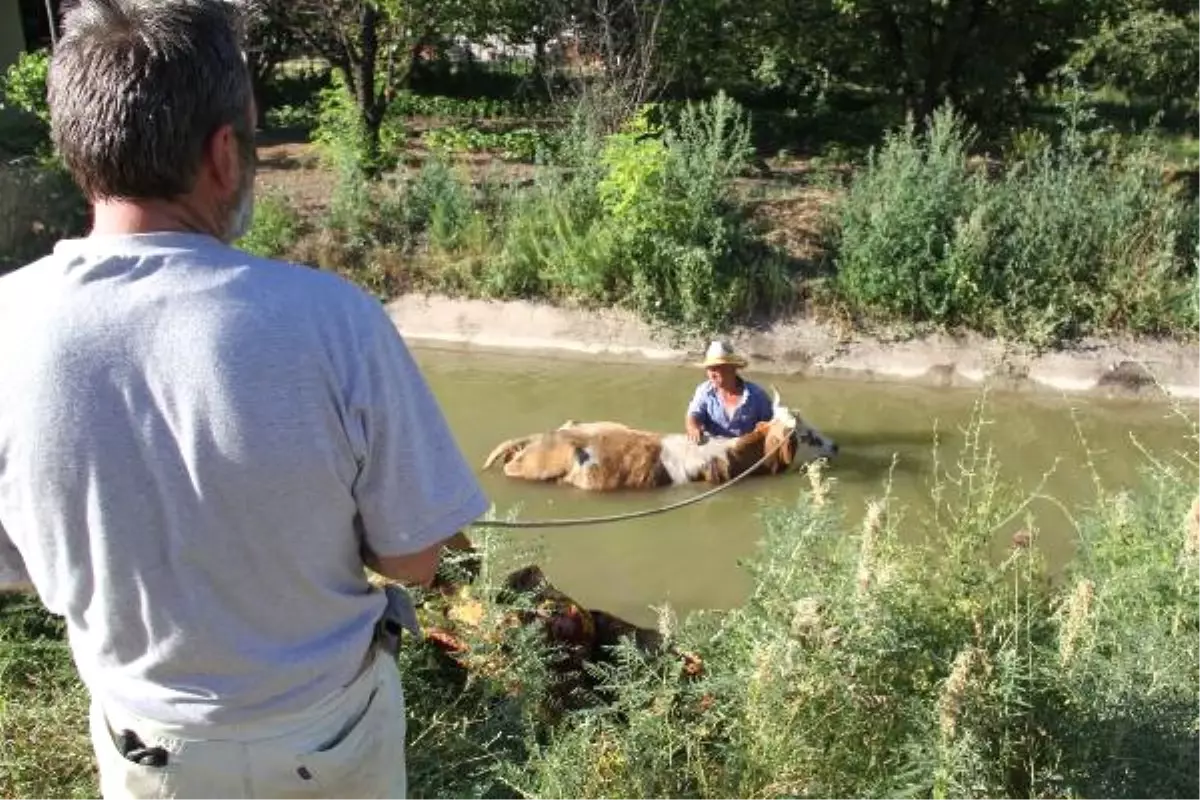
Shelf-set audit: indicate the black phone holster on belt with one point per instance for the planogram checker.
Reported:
(399, 616)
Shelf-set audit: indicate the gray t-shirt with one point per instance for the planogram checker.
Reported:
(194, 442)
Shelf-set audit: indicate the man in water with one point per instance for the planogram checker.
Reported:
(200, 450)
(726, 404)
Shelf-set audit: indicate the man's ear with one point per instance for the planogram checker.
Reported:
(223, 160)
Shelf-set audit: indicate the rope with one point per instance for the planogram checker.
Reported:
(648, 512)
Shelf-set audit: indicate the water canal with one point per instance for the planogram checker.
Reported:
(689, 558)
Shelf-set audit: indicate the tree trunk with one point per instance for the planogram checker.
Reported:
(370, 105)
(539, 57)
(260, 74)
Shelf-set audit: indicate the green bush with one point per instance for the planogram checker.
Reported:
(518, 144)
(24, 109)
(276, 227)
(23, 86)
(1060, 245)
(39, 204)
(340, 135)
(292, 116)
(558, 242)
(647, 218)
(408, 103)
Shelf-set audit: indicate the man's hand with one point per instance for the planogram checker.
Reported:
(694, 433)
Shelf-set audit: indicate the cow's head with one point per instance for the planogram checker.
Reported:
(801, 443)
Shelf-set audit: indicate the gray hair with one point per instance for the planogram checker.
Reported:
(137, 88)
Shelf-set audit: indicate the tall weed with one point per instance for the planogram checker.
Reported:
(340, 133)
(1060, 245)
(861, 666)
(645, 217)
(276, 227)
(648, 218)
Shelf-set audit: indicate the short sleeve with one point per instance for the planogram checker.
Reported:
(766, 408)
(414, 488)
(13, 574)
(696, 406)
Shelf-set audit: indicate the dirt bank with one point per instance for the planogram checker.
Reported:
(1120, 368)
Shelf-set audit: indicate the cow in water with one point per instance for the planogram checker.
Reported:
(609, 456)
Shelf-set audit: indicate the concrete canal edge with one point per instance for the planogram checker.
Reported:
(803, 347)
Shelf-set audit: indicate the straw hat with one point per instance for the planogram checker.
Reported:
(719, 353)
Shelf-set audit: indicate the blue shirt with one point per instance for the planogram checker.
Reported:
(707, 408)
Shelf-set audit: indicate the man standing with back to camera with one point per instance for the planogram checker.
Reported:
(200, 449)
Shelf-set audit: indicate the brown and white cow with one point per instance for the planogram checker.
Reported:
(607, 456)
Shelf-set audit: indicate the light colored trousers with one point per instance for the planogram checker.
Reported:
(351, 744)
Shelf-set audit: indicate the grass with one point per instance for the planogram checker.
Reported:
(44, 746)
(859, 665)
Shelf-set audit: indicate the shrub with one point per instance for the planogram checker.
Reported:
(647, 218)
(1060, 245)
(557, 242)
(24, 109)
(38, 206)
(275, 229)
(24, 85)
(408, 103)
(340, 135)
(861, 666)
(518, 144)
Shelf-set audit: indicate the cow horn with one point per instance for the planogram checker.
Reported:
(775, 391)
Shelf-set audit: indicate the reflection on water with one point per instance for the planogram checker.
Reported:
(689, 558)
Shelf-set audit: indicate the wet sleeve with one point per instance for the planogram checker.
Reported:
(414, 487)
(13, 574)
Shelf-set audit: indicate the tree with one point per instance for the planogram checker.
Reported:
(371, 43)
(273, 39)
(981, 55)
(1145, 48)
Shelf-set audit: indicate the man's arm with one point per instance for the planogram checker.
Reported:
(414, 569)
(420, 568)
(693, 421)
(414, 491)
(13, 575)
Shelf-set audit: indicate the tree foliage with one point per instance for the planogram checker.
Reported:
(1146, 49)
(990, 59)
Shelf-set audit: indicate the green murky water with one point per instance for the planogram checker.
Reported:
(688, 558)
